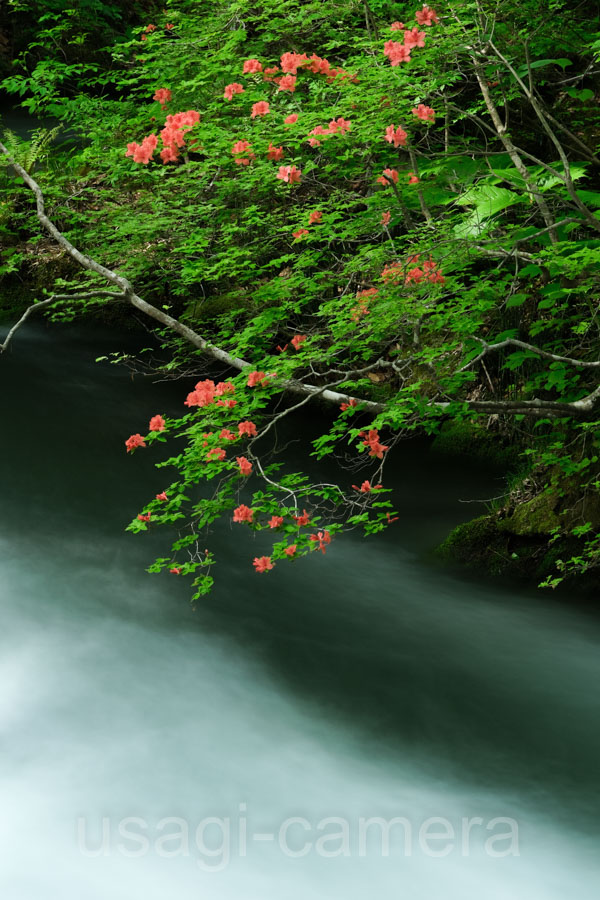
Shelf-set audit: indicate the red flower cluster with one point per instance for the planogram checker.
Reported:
(243, 513)
(275, 522)
(304, 519)
(429, 272)
(322, 537)
(248, 428)
(244, 464)
(425, 113)
(366, 487)
(391, 173)
(163, 95)
(143, 153)
(396, 136)
(257, 379)
(262, 564)
(136, 440)
(205, 392)
(275, 153)
(157, 423)
(371, 441)
(251, 66)
(297, 341)
(289, 174)
(260, 109)
(242, 147)
(426, 16)
(231, 89)
(351, 403)
(301, 233)
(398, 52)
(173, 134)
(145, 517)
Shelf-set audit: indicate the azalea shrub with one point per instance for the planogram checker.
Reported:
(388, 209)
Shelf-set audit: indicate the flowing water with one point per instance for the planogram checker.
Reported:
(269, 722)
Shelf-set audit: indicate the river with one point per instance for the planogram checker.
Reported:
(258, 731)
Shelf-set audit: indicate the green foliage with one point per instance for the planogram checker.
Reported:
(394, 286)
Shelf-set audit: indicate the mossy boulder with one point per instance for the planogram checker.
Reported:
(470, 440)
(536, 516)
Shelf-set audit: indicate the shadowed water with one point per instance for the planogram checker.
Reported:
(368, 683)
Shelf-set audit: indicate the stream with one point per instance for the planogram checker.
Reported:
(237, 748)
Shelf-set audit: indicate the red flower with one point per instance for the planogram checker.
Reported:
(396, 136)
(287, 83)
(275, 153)
(150, 28)
(397, 26)
(289, 174)
(268, 73)
(315, 217)
(224, 387)
(391, 173)
(414, 38)
(248, 428)
(251, 66)
(175, 570)
(425, 113)
(396, 53)
(366, 487)
(297, 341)
(385, 218)
(136, 440)
(351, 403)
(243, 514)
(256, 379)
(291, 61)
(374, 446)
(163, 95)
(216, 453)
(260, 109)
(426, 16)
(301, 233)
(304, 519)
(231, 89)
(145, 517)
(169, 26)
(341, 125)
(240, 147)
(289, 120)
(262, 563)
(323, 537)
(390, 519)
(227, 403)
(226, 435)
(289, 551)
(143, 153)
(275, 521)
(202, 395)
(162, 497)
(244, 464)
(157, 423)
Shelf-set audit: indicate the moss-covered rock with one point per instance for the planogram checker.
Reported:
(469, 439)
(536, 516)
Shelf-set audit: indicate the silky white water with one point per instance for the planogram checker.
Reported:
(267, 722)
